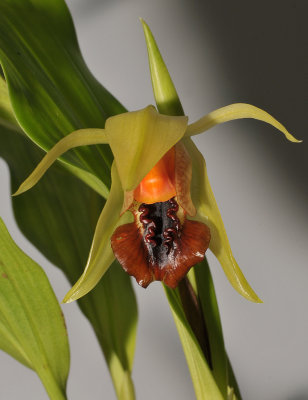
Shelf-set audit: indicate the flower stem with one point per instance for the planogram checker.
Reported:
(194, 315)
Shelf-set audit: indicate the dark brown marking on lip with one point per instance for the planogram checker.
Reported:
(157, 246)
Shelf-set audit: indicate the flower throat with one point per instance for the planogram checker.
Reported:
(161, 226)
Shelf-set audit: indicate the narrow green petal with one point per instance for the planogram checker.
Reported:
(236, 111)
(81, 137)
(208, 212)
(139, 140)
(166, 97)
(101, 254)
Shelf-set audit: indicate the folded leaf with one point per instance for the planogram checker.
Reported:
(53, 93)
(201, 375)
(51, 89)
(7, 117)
(8, 120)
(61, 206)
(205, 292)
(232, 382)
(32, 328)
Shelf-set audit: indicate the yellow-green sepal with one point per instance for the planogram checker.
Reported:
(166, 97)
(101, 255)
(208, 213)
(139, 140)
(233, 112)
(81, 137)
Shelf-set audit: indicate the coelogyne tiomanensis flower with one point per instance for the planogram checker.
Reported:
(162, 244)
(161, 215)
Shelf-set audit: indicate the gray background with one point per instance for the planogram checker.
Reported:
(218, 52)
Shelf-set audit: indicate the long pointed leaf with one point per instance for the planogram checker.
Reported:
(7, 117)
(202, 378)
(232, 381)
(205, 291)
(51, 89)
(62, 207)
(202, 282)
(31, 321)
(53, 93)
(8, 120)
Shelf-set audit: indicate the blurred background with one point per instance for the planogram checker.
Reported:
(218, 52)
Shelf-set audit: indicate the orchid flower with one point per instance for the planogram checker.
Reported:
(159, 177)
(161, 215)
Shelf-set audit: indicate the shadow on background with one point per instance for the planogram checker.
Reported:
(300, 396)
(262, 47)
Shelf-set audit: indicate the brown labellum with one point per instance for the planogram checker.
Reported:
(161, 244)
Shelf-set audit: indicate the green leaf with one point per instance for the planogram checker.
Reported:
(202, 378)
(62, 207)
(204, 288)
(7, 117)
(8, 120)
(51, 89)
(116, 325)
(232, 382)
(53, 93)
(202, 282)
(32, 328)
